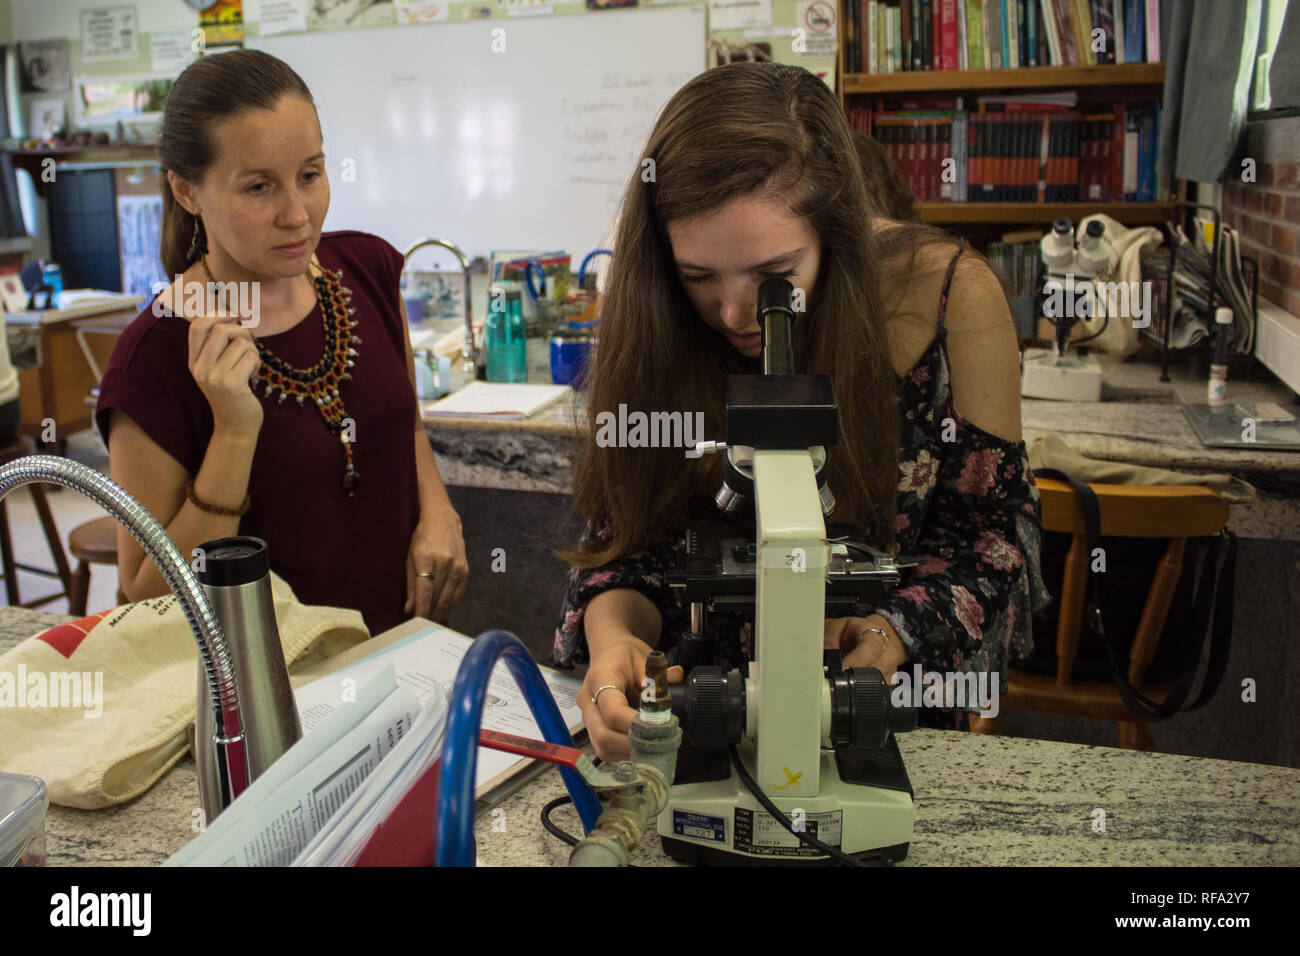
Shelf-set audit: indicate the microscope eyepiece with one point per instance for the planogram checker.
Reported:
(776, 316)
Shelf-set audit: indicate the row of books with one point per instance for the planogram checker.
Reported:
(893, 37)
(1022, 152)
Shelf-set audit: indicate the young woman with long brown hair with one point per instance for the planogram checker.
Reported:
(302, 427)
(755, 174)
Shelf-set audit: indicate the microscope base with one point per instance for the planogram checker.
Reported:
(1067, 378)
(720, 823)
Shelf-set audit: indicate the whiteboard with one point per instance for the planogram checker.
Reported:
(530, 147)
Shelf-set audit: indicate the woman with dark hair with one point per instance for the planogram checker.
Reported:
(749, 182)
(269, 391)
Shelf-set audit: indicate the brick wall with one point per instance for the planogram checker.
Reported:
(1267, 211)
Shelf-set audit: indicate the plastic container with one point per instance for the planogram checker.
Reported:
(52, 276)
(571, 352)
(23, 802)
(507, 346)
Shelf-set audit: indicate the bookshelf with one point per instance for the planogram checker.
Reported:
(1098, 87)
(1021, 78)
(985, 213)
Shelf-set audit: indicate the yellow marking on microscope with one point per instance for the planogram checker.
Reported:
(790, 779)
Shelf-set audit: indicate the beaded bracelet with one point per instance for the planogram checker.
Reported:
(213, 509)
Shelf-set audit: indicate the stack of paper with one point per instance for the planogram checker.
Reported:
(489, 400)
(374, 721)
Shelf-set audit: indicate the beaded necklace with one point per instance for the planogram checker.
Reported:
(321, 382)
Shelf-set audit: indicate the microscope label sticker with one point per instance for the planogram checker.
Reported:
(699, 826)
(758, 833)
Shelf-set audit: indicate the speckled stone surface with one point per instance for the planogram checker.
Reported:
(1004, 801)
(980, 801)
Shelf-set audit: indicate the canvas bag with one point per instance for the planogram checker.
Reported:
(145, 660)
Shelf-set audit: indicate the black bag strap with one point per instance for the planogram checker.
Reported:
(1220, 640)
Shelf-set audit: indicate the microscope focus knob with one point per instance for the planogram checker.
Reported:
(715, 707)
(870, 728)
(862, 714)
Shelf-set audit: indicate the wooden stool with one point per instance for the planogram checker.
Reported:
(22, 447)
(94, 542)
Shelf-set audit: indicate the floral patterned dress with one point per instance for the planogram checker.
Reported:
(967, 504)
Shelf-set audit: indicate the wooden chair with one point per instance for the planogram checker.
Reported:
(94, 541)
(22, 447)
(1176, 512)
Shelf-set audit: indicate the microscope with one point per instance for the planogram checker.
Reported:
(792, 761)
(1069, 295)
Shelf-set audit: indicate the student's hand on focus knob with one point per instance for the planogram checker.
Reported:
(223, 359)
(863, 648)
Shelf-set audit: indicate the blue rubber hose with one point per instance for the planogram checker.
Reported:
(582, 269)
(528, 278)
(455, 810)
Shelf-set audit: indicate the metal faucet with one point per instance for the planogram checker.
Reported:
(228, 739)
(469, 351)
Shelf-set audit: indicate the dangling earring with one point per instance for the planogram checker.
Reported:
(199, 244)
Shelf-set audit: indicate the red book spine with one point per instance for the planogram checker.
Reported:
(866, 34)
(1042, 143)
(936, 35)
(909, 166)
(936, 159)
(923, 131)
(923, 160)
(1085, 160)
(1053, 159)
(949, 27)
(1074, 154)
(1117, 153)
(1104, 161)
(973, 171)
(1004, 160)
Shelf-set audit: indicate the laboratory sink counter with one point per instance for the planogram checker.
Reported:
(981, 801)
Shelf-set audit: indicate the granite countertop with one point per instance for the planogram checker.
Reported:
(1006, 801)
(980, 801)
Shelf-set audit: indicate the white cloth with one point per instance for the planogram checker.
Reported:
(1120, 337)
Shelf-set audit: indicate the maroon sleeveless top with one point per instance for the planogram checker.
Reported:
(331, 549)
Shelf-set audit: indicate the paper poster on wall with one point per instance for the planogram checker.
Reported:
(46, 66)
(422, 11)
(739, 14)
(282, 16)
(814, 28)
(350, 14)
(109, 33)
(526, 8)
(172, 50)
(139, 220)
(223, 22)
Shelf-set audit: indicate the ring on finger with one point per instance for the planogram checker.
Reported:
(884, 636)
(602, 688)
